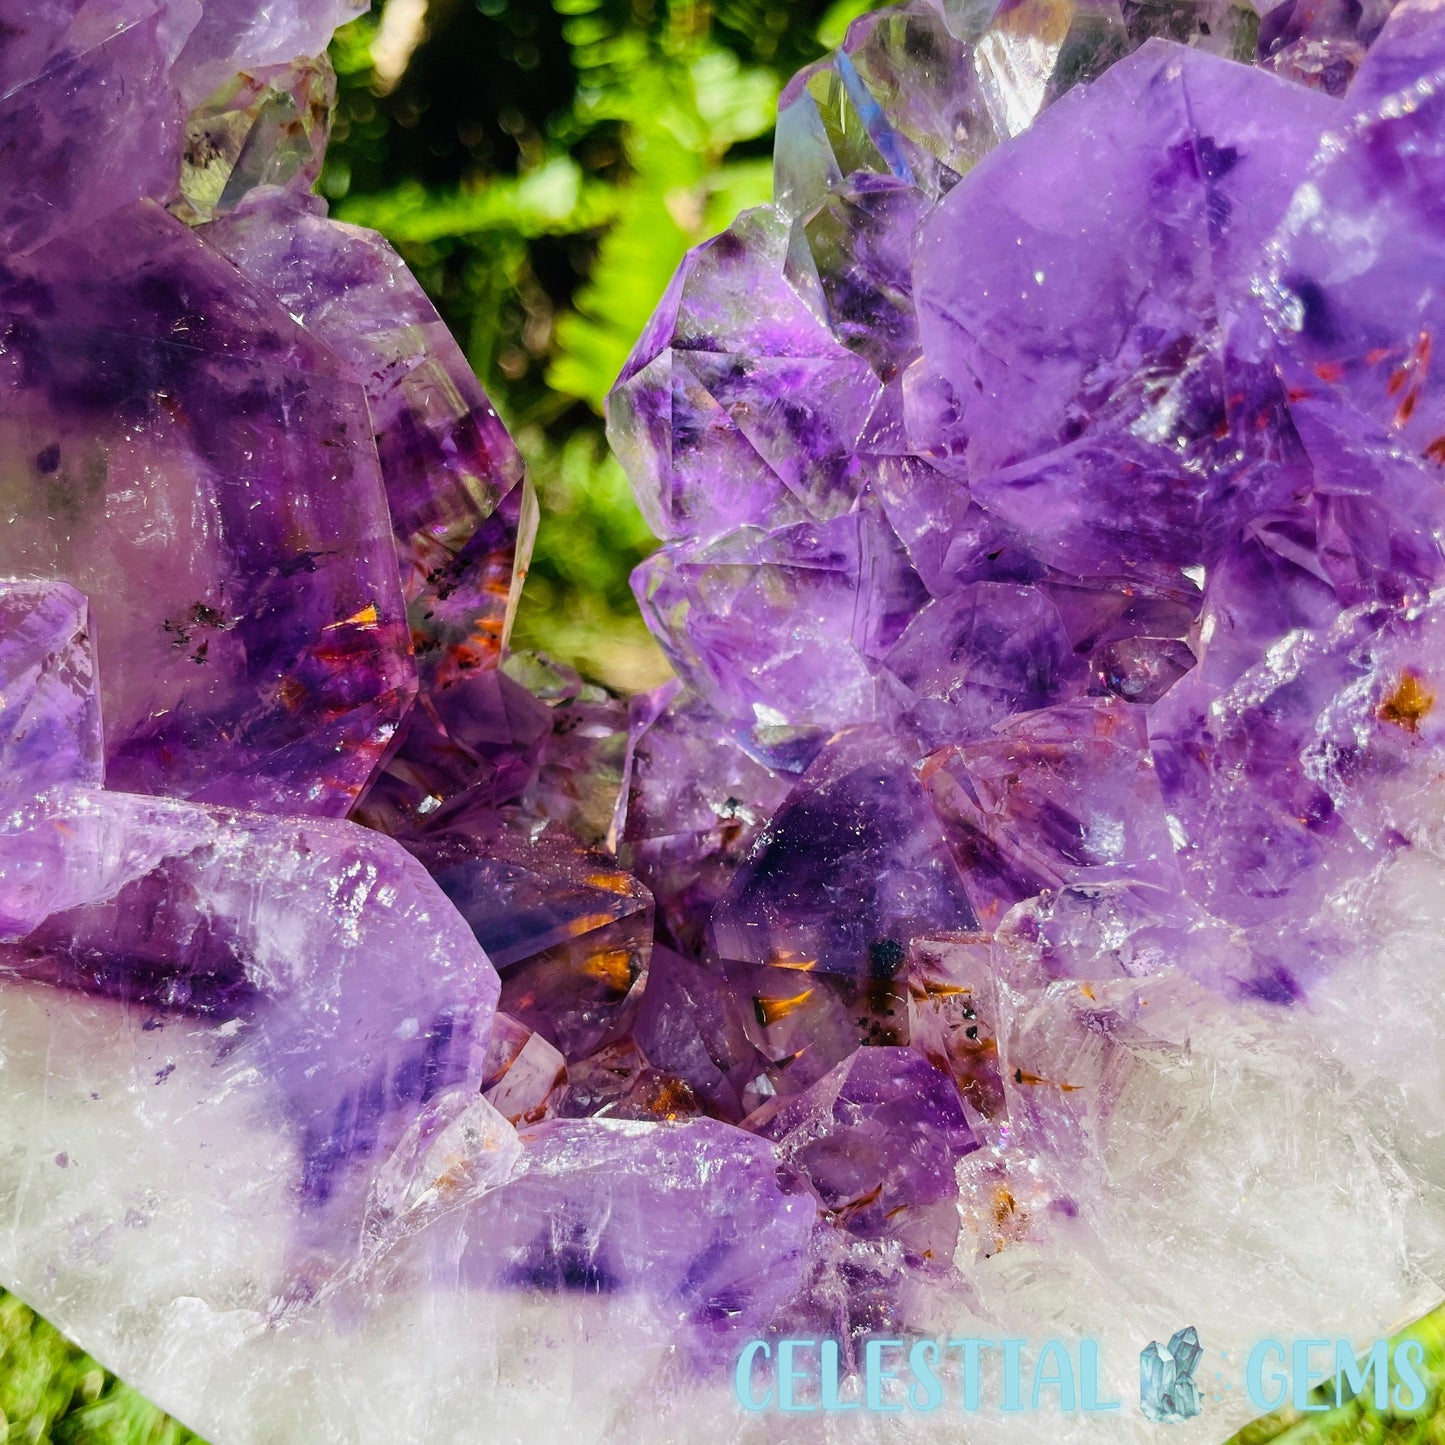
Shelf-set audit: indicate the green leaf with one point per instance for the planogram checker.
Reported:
(553, 200)
(833, 27)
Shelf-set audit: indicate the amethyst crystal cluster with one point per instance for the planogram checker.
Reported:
(1050, 485)
(1056, 497)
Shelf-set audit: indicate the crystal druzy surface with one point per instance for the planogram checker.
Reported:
(1021, 915)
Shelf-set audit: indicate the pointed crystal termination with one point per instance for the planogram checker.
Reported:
(1061, 797)
(720, 610)
(690, 1025)
(461, 514)
(232, 36)
(1049, 331)
(283, 934)
(94, 97)
(899, 99)
(524, 749)
(685, 1227)
(852, 866)
(695, 801)
(447, 463)
(953, 1021)
(738, 405)
(877, 1140)
(970, 661)
(49, 708)
(1404, 48)
(267, 127)
(90, 119)
(569, 932)
(202, 469)
(782, 630)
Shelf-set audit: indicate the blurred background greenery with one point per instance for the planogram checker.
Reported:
(543, 165)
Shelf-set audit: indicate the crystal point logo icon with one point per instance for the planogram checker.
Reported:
(1167, 1391)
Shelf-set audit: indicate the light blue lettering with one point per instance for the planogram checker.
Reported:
(743, 1376)
(927, 1393)
(1254, 1376)
(1305, 1378)
(1376, 1363)
(831, 1376)
(874, 1374)
(1409, 1354)
(971, 1349)
(1089, 1378)
(788, 1376)
(1062, 1378)
(1012, 1353)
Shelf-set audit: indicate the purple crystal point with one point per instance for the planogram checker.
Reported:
(1062, 797)
(738, 406)
(94, 96)
(1168, 174)
(235, 36)
(854, 251)
(721, 608)
(696, 799)
(690, 1025)
(618, 1082)
(526, 748)
(852, 866)
(286, 934)
(447, 463)
(954, 1019)
(1320, 43)
(689, 1215)
(449, 470)
(1408, 53)
(49, 708)
(460, 514)
(876, 1140)
(475, 748)
(202, 470)
(1355, 331)
(90, 119)
(975, 658)
(801, 1023)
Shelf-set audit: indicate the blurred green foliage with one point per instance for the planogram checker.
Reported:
(544, 168)
(52, 1394)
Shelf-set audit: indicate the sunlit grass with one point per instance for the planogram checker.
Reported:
(53, 1394)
